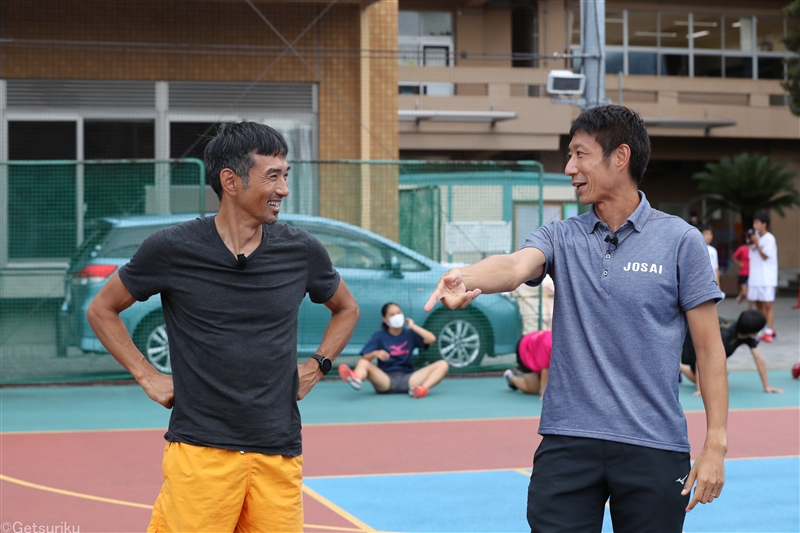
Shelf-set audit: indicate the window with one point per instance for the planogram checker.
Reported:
(50, 232)
(690, 44)
(739, 33)
(642, 28)
(707, 32)
(674, 31)
(770, 34)
(708, 66)
(425, 38)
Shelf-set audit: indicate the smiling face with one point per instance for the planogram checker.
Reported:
(591, 175)
(266, 188)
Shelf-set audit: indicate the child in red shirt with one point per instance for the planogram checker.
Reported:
(533, 360)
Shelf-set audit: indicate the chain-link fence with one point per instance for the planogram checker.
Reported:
(67, 226)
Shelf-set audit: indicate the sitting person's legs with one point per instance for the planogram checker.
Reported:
(430, 375)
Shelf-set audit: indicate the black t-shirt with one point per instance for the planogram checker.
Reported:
(730, 341)
(232, 331)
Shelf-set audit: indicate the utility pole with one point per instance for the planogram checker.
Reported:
(593, 41)
(593, 62)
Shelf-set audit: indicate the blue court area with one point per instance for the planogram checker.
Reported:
(760, 495)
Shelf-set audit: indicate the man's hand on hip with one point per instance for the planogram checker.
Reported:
(310, 374)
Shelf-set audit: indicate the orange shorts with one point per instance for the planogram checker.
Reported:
(215, 490)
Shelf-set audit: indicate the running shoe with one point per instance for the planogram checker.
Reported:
(796, 370)
(349, 376)
(766, 337)
(508, 374)
(418, 392)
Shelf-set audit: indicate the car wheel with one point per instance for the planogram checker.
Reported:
(151, 339)
(462, 337)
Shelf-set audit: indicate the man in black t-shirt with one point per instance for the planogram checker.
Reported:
(231, 287)
(734, 334)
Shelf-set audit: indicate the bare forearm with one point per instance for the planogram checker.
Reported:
(762, 370)
(498, 273)
(339, 330)
(714, 389)
(114, 337)
(427, 336)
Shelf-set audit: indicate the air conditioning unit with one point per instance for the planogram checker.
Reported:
(565, 82)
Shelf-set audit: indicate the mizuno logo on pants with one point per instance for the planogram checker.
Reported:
(682, 480)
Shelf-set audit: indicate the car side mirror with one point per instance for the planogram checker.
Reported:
(397, 272)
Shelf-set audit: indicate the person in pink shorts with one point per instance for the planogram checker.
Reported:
(533, 360)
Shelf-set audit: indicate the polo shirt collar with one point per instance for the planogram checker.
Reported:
(638, 218)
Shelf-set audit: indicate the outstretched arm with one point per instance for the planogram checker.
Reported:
(103, 316)
(709, 467)
(496, 273)
(762, 371)
(344, 317)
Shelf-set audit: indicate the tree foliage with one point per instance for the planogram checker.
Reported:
(746, 185)
(792, 41)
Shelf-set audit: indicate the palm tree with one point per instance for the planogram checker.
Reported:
(747, 184)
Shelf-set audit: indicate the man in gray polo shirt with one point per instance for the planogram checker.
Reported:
(628, 281)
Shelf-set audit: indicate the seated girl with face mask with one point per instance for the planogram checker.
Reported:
(392, 349)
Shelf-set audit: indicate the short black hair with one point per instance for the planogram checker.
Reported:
(750, 322)
(233, 147)
(612, 126)
(763, 216)
(705, 227)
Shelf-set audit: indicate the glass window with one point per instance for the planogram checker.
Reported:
(674, 32)
(350, 251)
(770, 68)
(109, 139)
(708, 66)
(614, 28)
(49, 231)
(408, 55)
(642, 28)
(408, 23)
(738, 67)
(436, 23)
(770, 34)
(739, 33)
(642, 63)
(707, 31)
(674, 65)
(436, 56)
(575, 24)
(614, 62)
(189, 139)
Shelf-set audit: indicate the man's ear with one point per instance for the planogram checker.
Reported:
(622, 157)
(229, 182)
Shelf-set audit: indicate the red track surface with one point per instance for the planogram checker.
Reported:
(125, 465)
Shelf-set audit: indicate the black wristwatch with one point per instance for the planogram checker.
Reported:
(325, 364)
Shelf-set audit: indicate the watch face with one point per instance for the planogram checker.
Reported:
(324, 363)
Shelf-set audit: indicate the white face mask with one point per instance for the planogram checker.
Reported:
(396, 321)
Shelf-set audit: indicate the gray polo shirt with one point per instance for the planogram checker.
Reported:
(619, 322)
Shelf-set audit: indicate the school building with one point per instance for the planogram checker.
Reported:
(375, 80)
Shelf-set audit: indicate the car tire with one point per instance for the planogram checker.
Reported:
(463, 338)
(151, 339)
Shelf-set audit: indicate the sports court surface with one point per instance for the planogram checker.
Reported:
(458, 460)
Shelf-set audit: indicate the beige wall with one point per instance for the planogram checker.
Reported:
(202, 40)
